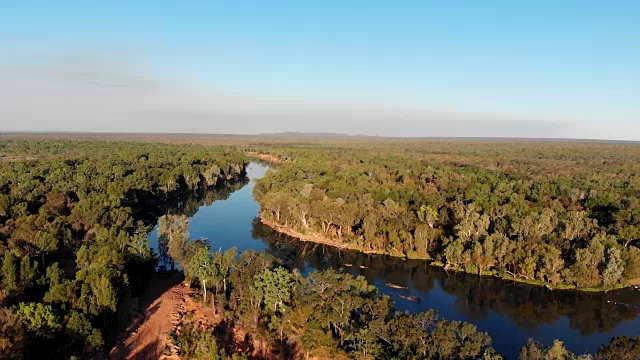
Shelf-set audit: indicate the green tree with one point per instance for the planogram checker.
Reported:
(274, 289)
(457, 340)
(585, 271)
(613, 268)
(28, 271)
(80, 330)
(9, 272)
(533, 350)
(98, 289)
(453, 254)
(39, 318)
(202, 267)
(551, 265)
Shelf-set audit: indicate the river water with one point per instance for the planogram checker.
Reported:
(510, 312)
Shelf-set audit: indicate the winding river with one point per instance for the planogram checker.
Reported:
(510, 312)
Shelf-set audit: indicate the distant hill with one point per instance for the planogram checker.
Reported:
(314, 135)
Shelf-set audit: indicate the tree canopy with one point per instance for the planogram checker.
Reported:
(555, 213)
(73, 222)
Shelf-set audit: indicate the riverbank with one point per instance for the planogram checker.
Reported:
(265, 157)
(325, 240)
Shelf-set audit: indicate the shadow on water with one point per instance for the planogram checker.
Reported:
(511, 312)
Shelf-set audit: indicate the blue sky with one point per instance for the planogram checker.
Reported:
(569, 63)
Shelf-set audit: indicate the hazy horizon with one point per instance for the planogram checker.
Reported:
(408, 69)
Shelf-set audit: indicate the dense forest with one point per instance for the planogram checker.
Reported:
(554, 213)
(74, 218)
(325, 314)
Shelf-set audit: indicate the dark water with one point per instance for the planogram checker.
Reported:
(510, 312)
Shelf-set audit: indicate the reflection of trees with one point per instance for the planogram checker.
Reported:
(525, 305)
(423, 279)
(164, 259)
(185, 205)
(188, 203)
(531, 306)
(265, 163)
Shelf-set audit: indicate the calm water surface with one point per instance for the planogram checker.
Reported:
(510, 312)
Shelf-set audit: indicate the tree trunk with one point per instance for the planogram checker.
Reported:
(204, 288)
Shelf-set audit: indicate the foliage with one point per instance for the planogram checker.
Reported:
(533, 350)
(38, 318)
(329, 311)
(196, 343)
(620, 348)
(73, 222)
(552, 213)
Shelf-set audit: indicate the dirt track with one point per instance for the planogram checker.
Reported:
(146, 337)
(169, 299)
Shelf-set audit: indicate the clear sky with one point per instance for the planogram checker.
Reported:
(561, 68)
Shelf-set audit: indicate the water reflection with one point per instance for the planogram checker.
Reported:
(185, 207)
(511, 312)
(221, 215)
(190, 202)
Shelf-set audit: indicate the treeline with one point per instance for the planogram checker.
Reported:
(323, 315)
(563, 214)
(73, 223)
(527, 305)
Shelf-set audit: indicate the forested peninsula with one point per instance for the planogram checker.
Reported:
(562, 214)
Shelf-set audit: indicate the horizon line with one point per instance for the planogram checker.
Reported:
(309, 135)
